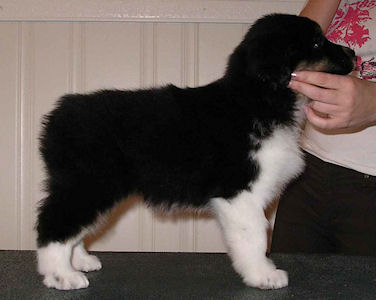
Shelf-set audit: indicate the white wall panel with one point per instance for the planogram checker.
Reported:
(45, 77)
(40, 61)
(112, 55)
(215, 45)
(9, 137)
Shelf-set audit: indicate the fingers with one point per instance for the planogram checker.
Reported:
(313, 92)
(320, 121)
(324, 108)
(320, 79)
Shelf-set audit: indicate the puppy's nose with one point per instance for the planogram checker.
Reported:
(349, 52)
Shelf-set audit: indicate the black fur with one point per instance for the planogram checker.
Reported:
(173, 145)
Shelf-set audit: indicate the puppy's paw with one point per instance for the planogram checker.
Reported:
(66, 281)
(272, 279)
(86, 263)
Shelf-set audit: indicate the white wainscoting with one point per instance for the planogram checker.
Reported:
(43, 59)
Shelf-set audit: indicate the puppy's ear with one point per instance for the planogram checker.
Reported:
(270, 67)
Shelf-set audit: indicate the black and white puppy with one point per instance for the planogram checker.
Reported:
(230, 146)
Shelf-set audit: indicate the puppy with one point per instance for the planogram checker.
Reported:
(230, 146)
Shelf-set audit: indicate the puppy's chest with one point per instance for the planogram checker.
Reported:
(279, 159)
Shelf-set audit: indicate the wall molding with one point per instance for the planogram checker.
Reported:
(203, 11)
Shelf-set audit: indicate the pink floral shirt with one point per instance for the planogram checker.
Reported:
(352, 27)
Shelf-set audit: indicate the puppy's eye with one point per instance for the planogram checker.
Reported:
(316, 46)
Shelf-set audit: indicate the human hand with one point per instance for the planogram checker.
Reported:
(338, 101)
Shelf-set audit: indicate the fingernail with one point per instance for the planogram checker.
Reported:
(294, 74)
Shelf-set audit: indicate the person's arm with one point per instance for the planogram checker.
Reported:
(321, 11)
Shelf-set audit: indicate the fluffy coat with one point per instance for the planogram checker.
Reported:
(231, 145)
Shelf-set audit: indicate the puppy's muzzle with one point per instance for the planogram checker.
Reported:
(350, 54)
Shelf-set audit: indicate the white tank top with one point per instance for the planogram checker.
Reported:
(354, 26)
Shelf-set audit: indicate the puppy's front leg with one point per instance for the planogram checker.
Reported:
(244, 225)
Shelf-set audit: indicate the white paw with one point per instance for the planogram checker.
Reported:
(273, 279)
(86, 263)
(66, 281)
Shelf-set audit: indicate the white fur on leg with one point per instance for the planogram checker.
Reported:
(244, 226)
(83, 261)
(54, 264)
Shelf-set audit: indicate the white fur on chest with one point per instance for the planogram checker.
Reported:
(280, 160)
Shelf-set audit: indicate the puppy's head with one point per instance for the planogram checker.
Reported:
(276, 45)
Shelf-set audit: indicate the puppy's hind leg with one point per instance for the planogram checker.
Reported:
(244, 227)
(63, 220)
